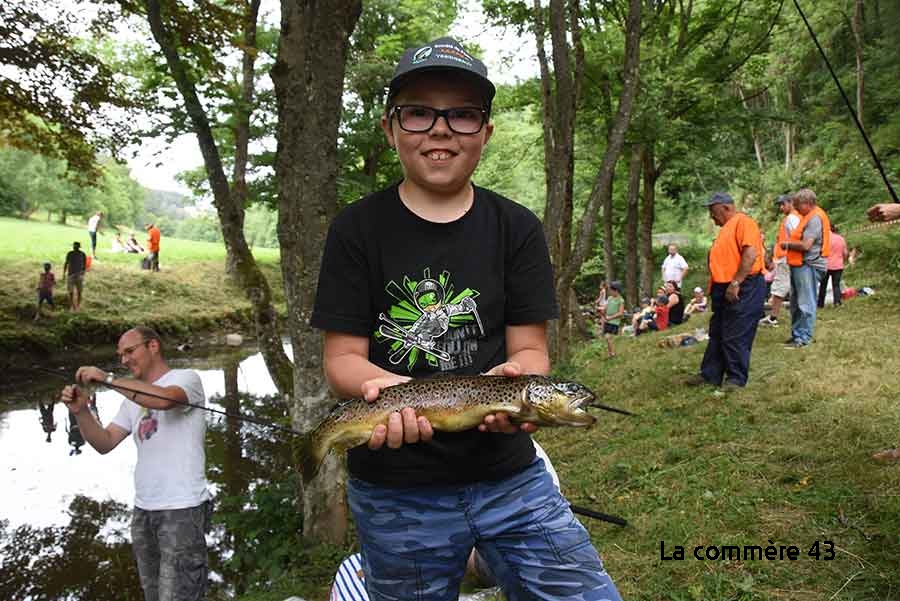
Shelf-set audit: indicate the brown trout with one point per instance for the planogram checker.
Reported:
(451, 404)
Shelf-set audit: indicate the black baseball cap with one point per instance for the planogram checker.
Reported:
(719, 198)
(783, 198)
(441, 54)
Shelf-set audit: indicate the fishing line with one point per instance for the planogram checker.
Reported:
(575, 508)
(236, 416)
(847, 102)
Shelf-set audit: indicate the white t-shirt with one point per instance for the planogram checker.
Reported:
(92, 223)
(673, 267)
(171, 466)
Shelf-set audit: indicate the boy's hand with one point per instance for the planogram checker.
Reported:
(403, 427)
(499, 422)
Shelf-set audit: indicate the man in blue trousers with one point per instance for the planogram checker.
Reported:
(737, 295)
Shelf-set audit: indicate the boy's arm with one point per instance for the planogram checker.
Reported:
(349, 371)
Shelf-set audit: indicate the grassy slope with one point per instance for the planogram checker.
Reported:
(190, 292)
(777, 461)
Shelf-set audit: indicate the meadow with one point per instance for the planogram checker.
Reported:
(191, 292)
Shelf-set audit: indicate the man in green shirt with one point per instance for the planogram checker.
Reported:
(615, 310)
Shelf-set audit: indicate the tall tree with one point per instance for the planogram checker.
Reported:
(631, 226)
(309, 77)
(171, 23)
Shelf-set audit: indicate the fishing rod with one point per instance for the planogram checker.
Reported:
(847, 102)
(133, 391)
(575, 508)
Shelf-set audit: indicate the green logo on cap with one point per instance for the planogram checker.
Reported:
(421, 55)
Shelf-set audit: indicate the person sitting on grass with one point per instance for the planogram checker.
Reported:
(117, 246)
(659, 320)
(612, 318)
(645, 311)
(132, 245)
(675, 302)
(697, 303)
(46, 281)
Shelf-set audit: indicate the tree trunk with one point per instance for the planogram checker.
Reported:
(309, 77)
(757, 147)
(609, 251)
(234, 479)
(559, 100)
(857, 24)
(242, 121)
(648, 207)
(631, 227)
(615, 141)
(230, 212)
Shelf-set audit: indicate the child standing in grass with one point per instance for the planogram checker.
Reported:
(46, 281)
(435, 276)
(612, 319)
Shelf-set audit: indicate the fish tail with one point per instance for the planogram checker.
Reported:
(311, 457)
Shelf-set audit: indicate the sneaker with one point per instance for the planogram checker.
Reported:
(790, 340)
(796, 345)
(768, 320)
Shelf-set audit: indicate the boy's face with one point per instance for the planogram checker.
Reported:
(439, 160)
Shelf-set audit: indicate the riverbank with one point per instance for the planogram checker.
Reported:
(190, 297)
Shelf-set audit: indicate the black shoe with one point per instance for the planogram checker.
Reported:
(789, 340)
(696, 380)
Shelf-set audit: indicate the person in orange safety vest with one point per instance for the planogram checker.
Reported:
(781, 283)
(737, 294)
(807, 255)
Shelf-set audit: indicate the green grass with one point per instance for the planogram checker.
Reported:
(781, 460)
(190, 293)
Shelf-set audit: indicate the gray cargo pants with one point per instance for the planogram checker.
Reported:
(170, 550)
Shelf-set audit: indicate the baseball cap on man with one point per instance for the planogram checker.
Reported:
(782, 198)
(441, 54)
(719, 198)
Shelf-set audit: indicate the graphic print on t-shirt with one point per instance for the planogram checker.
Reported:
(148, 425)
(431, 322)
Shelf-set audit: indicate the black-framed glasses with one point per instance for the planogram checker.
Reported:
(418, 119)
(128, 350)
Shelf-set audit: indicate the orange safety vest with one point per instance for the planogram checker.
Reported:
(725, 254)
(795, 257)
(782, 236)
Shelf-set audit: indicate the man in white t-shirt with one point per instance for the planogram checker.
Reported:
(172, 503)
(93, 226)
(674, 267)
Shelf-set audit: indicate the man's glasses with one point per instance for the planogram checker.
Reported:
(126, 352)
(419, 119)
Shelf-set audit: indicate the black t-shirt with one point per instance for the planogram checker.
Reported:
(76, 260)
(435, 298)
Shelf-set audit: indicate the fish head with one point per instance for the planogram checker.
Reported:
(558, 403)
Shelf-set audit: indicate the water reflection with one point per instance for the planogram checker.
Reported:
(64, 530)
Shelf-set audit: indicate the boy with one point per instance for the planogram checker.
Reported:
(612, 319)
(429, 276)
(46, 281)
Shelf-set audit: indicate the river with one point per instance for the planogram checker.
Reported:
(64, 517)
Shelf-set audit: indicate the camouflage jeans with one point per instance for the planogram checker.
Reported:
(170, 549)
(415, 541)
